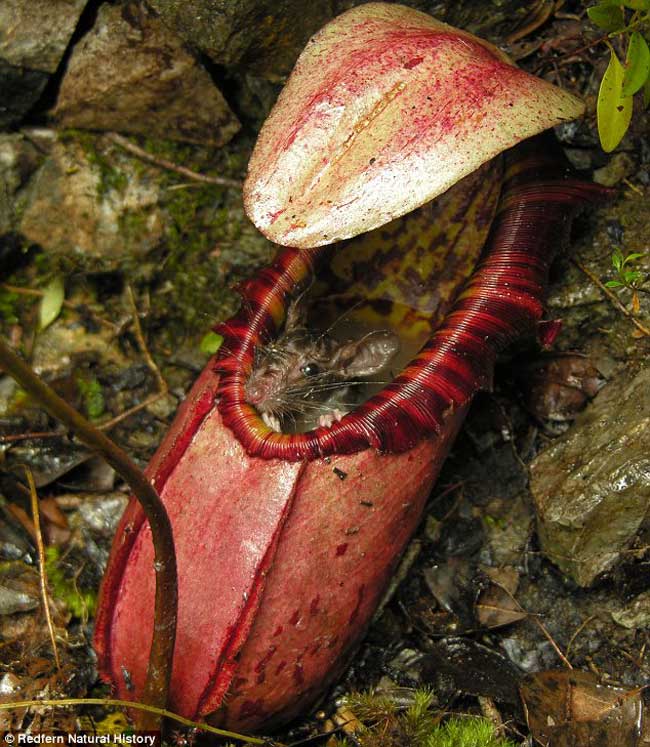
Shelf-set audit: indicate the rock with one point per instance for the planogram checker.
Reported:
(130, 73)
(263, 36)
(18, 159)
(33, 38)
(19, 91)
(634, 615)
(97, 518)
(619, 166)
(19, 589)
(90, 202)
(592, 486)
(12, 600)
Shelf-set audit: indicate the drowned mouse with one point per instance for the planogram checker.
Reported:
(305, 374)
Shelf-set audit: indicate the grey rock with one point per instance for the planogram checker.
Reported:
(634, 615)
(262, 36)
(15, 600)
(33, 38)
(592, 486)
(35, 34)
(131, 74)
(98, 517)
(84, 202)
(20, 89)
(619, 166)
(18, 160)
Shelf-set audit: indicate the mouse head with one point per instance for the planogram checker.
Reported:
(301, 366)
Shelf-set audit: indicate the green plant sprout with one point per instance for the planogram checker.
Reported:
(627, 276)
(629, 19)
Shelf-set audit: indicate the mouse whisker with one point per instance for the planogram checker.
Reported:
(340, 318)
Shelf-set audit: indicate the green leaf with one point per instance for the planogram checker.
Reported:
(617, 258)
(607, 17)
(646, 94)
(632, 276)
(613, 109)
(636, 4)
(633, 256)
(210, 343)
(613, 284)
(637, 64)
(51, 302)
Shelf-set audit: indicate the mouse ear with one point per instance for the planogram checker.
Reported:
(294, 315)
(367, 356)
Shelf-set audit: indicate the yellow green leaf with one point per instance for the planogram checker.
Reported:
(637, 4)
(210, 343)
(613, 109)
(607, 17)
(637, 64)
(51, 302)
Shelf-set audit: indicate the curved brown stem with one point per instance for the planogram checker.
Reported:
(166, 601)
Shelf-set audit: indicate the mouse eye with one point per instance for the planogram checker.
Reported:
(310, 369)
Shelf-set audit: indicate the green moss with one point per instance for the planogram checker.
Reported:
(81, 604)
(110, 177)
(8, 304)
(133, 226)
(467, 732)
(386, 724)
(92, 395)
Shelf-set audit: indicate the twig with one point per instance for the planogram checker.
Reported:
(107, 425)
(633, 187)
(162, 712)
(13, 437)
(163, 389)
(42, 571)
(549, 637)
(159, 667)
(163, 163)
(137, 331)
(612, 297)
(579, 630)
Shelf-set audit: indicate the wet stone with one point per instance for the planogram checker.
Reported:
(97, 518)
(81, 203)
(263, 36)
(13, 600)
(18, 159)
(33, 38)
(592, 486)
(636, 614)
(131, 74)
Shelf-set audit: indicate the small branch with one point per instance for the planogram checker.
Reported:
(166, 597)
(107, 425)
(163, 389)
(14, 437)
(161, 712)
(137, 330)
(549, 638)
(612, 297)
(579, 630)
(163, 163)
(42, 572)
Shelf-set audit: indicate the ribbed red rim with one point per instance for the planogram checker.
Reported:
(502, 300)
